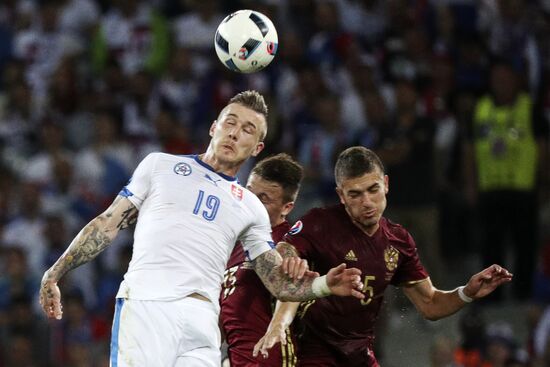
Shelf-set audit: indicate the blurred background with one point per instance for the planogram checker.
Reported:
(453, 95)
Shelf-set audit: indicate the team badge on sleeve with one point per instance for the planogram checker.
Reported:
(183, 169)
(237, 192)
(296, 228)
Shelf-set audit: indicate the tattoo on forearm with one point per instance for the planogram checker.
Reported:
(286, 249)
(268, 268)
(85, 247)
(129, 218)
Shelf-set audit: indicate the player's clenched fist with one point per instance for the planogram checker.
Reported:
(345, 282)
(50, 300)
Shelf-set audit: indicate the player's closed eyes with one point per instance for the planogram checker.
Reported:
(249, 129)
(264, 199)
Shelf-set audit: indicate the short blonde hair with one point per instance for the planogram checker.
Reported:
(255, 101)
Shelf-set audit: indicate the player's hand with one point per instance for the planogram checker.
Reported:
(345, 282)
(486, 281)
(273, 335)
(50, 300)
(295, 268)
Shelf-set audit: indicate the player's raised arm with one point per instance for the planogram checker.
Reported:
(95, 237)
(338, 281)
(435, 304)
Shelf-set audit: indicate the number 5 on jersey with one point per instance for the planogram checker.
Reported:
(212, 204)
(368, 290)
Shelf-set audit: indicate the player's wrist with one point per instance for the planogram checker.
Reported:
(320, 287)
(465, 298)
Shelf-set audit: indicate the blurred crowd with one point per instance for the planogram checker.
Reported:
(454, 95)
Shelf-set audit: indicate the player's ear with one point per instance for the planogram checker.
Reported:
(259, 147)
(386, 184)
(287, 208)
(212, 128)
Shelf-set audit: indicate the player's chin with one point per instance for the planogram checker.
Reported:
(229, 156)
(369, 221)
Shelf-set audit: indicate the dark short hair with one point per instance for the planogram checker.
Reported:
(355, 162)
(253, 100)
(283, 170)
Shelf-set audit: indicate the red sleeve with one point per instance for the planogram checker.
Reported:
(410, 269)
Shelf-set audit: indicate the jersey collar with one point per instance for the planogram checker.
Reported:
(206, 165)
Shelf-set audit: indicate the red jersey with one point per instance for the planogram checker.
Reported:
(342, 328)
(246, 310)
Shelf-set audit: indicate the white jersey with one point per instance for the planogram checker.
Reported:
(190, 218)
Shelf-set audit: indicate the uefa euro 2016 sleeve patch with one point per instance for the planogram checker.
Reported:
(296, 228)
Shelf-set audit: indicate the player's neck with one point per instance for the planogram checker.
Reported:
(278, 222)
(368, 230)
(228, 169)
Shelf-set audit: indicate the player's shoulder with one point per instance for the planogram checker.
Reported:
(155, 156)
(317, 220)
(394, 231)
(179, 164)
(332, 214)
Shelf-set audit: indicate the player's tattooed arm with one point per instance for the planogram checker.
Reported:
(268, 266)
(286, 249)
(293, 265)
(95, 237)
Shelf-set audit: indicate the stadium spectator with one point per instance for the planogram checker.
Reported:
(135, 35)
(506, 158)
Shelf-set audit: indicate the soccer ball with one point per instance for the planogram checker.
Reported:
(246, 41)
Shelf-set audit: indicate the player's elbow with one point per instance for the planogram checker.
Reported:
(429, 314)
(282, 296)
(289, 296)
(431, 317)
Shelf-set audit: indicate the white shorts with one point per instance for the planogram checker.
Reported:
(165, 334)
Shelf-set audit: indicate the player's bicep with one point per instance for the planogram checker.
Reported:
(121, 214)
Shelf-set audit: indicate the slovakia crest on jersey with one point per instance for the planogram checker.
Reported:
(237, 192)
(183, 169)
(296, 228)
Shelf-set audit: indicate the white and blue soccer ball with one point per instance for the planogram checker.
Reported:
(246, 41)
